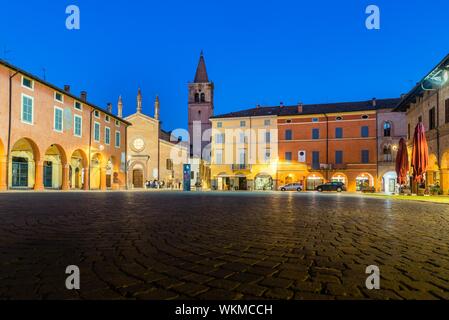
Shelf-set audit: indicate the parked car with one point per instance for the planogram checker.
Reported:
(331, 186)
(291, 187)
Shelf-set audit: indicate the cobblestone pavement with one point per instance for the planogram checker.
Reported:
(221, 246)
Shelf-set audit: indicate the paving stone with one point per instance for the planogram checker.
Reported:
(138, 245)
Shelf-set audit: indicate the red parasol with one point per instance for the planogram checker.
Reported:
(420, 153)
(402, 165)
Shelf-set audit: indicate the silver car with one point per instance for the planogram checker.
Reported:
(291, 187)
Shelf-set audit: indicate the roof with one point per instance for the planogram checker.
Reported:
(165, 135)
(310, 109)
(431, 81)
(201, 72)
(48, 84)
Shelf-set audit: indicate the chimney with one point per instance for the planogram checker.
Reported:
(67, 88)
(109, 107)
(156, 108)
(374, 102)
(120, 107)
(300, 107)
(83, 96)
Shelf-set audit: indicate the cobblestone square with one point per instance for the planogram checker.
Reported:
(167, 245)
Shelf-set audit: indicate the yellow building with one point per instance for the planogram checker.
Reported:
(244, 151)
(153, 154)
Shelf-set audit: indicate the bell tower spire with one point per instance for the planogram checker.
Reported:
(201, 109)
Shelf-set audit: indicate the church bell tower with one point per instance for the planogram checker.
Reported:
(201, 108)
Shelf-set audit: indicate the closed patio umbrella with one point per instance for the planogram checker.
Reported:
(420, 153)
(402, 165)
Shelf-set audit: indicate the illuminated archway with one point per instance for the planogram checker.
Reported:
(95, 171)
(22, 168)
(340, 177)
(55, 172)
(263, 181)
(314, 180)
(3, 164)
(78, 165)
(364, 181)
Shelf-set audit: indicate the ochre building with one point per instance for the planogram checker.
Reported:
(51, 138)
(312, 144)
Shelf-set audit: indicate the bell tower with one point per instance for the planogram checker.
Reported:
(201, 108)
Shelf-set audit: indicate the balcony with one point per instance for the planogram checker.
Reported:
(239, 167)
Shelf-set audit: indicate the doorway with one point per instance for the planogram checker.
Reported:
(138, 178)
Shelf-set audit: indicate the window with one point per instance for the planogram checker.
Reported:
(242, 157)
(27, 109)
(387, 154)
(409, 131)
(339, 133)
(315, 119)
(432, 121)
(315, 134)
(77, 126)
(117, 123)
(365, 156)
(169, 164)
(219, 124)
(288, 135)
(446, 107)
(365, 117)
(267, 137)
(242, 137)
(220, 138)
(387, 129)
(242, 124)
(267, 122)
(289, 121)
(27, 83)
(197, 97)
(59, 97)
(203, 97)
(420, 119)
(315, 160)
(267, 155)
(288, 156)
(218, 156)
(338, 157)
(77, 105)
(365, 132)
(107, 135)
(97, 132)
(58, 119)
(339, 118)
(117, 139)
(97, 114)
(107, 118)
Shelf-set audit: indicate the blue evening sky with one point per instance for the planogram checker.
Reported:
(257, 52)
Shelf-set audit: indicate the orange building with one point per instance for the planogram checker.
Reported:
(330, 142)
(52, 139)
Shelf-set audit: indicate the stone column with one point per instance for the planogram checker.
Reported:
(444, 183)
(86, 179)
(65, 177)
(103, 178)
(39, 176)
(429, 178)
(3, 172)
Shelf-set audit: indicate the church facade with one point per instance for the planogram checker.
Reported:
(153, 154)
